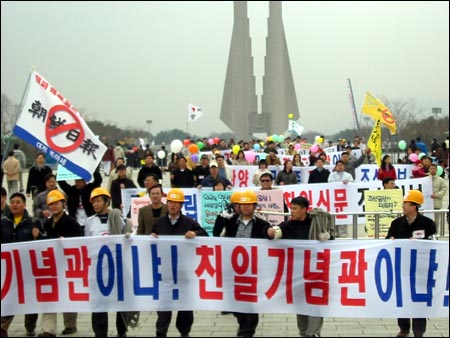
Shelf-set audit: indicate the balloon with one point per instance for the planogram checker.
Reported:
(193, 148)
(250, 156)
(262, 156)
(256, 146)
(317, 138)
(161, 154)
(421, 155)
(440, 170)
(275, 138)
(314, 148)
(200, 145)
(216, 140)
(402, 145)
(186, 142)
(194, 158)
(413, 157)
(320, 140)
(176, 146)
(270, 138)
(280, 138)
(211, 141)
(297, 146)
(236, 149)
(291, 116)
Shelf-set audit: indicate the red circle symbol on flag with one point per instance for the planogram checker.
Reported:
(387, 116)
(58, 125)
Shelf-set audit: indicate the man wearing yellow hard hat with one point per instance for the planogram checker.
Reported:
(59, 225)
(175, 224)
(412, 225)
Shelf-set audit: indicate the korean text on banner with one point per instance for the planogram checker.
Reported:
(49, 122)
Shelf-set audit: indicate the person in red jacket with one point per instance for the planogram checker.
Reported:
(387, 169)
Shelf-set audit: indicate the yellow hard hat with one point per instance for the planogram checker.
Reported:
(248, 197)
(235, 197)
(414, 196)
(175, 195)
(99, 192)
(55, 196)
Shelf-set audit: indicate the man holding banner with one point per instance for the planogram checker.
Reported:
(412, 225)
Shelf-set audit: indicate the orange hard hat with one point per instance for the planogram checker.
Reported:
(248, 197)
(55, 196)
(99, 192)
(235, 197)
(414, 196)
(175, 195)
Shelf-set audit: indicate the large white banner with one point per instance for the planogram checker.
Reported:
(242, 175)
(49, 122)
(365, 278)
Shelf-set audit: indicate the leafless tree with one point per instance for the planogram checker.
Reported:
(8, 113)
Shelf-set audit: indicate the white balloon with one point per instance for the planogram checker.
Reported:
(161, 154)
(176, 146)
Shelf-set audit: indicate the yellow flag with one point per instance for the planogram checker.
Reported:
(374, 142)
(377, 110)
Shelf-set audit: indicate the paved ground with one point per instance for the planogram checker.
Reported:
(214, 324)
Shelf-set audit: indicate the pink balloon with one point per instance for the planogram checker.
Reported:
(250, 156)
(314, 148)
(413, 157)
(211, 141)
(297, 146)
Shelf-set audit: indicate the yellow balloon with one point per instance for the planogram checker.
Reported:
(291, 116)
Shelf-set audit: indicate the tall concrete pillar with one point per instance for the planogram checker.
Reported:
(239, 103)
(239, 98)
(279, 98)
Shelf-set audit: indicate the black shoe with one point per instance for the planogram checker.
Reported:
(69, 330)
(225, 312)
(31, 333)
(403, 333)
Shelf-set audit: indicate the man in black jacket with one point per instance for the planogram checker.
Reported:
(175, 224)
(416, 226)
(320, 174)
(18, 226)
(78, 197)
(247, 225)
(57, 226)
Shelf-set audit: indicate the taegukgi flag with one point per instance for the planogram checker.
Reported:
(194, 113)
(49, 122)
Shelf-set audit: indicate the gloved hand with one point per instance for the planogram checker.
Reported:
(226, 214)
(324, 236)
(278, 232)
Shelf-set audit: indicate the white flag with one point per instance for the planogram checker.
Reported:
(194, 113)
(295, 127)
(49, 122)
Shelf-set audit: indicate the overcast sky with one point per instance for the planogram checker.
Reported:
(128, 62)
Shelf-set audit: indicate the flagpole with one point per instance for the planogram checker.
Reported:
(16, 118)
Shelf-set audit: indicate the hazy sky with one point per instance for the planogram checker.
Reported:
(128, 62)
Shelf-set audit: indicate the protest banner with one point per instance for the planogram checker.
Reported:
(387, 200)
(49, 122)
(398, 278)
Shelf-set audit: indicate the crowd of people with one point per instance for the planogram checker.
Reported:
(90, 209)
